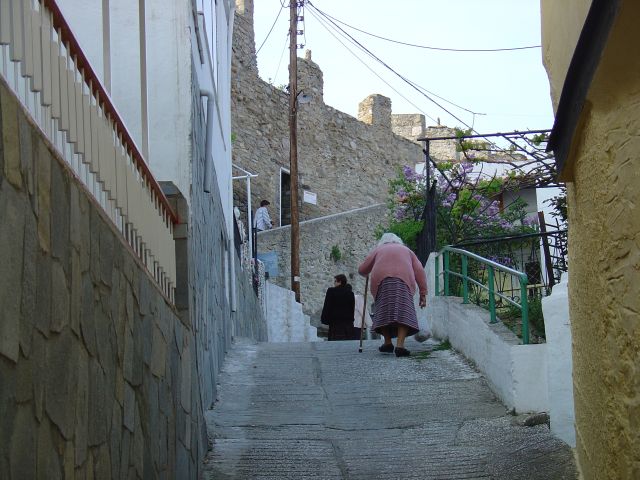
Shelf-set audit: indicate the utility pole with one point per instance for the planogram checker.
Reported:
(293, 146)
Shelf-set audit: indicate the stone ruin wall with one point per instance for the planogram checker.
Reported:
(346, 161)
(352, 232)
(343, 160)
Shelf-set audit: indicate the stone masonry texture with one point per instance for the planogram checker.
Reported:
(345, 161)
(324, 411)
(101, 376)
(353, 234)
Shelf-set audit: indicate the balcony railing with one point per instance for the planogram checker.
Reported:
(44, 65)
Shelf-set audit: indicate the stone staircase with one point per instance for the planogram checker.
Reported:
(286, 322)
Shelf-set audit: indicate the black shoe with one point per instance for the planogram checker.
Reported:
(384, 348)
(402, 352)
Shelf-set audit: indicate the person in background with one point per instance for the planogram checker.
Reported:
(357, 321)
(338, 309)
(263, 220)
(395, 270)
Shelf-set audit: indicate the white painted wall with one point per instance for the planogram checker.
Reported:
(213, 67)
(526, 377)
(285, 320)
(170, 38)
(85, 19)
(557, 325)
(516, 373)
(126, 80)
(169, 81)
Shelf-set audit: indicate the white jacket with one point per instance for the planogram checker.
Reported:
(263, 220)
(357, 313)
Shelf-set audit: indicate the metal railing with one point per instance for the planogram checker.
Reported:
(490, 267)
(42, 62)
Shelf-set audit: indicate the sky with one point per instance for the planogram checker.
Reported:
(507, 90)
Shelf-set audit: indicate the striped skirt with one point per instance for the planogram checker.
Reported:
(393, 307)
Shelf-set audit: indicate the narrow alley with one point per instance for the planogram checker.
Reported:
(324, 411)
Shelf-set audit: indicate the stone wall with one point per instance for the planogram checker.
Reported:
(101, 376)
(410, 126)
(346, 162)
(352, 232)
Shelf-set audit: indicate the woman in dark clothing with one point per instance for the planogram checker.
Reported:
(337, 311)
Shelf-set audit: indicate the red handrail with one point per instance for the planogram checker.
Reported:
(67, 37)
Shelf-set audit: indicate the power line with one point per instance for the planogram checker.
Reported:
(429, 47)
(286, 42)
(378, 59)
(320, 20)
(412, 84)
(271, 29)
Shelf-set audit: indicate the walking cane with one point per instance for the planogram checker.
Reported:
(364, 309)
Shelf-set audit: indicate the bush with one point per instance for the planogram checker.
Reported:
(335, 254)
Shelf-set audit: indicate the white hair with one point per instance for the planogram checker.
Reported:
(390, 238)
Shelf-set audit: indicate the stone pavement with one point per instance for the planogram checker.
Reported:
(324, 411)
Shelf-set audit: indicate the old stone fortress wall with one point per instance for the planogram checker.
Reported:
(346, 162)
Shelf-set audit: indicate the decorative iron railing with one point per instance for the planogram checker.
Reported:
(483, 275)
(42, 62)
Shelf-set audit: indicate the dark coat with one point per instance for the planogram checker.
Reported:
(338, 311)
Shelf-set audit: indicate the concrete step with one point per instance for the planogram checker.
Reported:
(324, 411)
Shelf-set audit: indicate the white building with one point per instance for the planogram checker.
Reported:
(149, 55)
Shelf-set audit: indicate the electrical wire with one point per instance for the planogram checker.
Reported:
(409, 82)
(428, 47)
(379, 60)
(286, 42)
(271, 29)
(320, 20)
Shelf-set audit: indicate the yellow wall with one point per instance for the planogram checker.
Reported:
(604, 256)
(562, 22)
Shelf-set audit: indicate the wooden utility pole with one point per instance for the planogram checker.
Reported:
(293, 146)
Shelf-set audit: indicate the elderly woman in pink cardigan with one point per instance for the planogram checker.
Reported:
(394, 272)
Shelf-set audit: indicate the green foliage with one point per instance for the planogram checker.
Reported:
(490, 188)
(446, 345)
(335, 254)
(427, 353)
(540, 138)
(559, 205)
(466, 145)
(407, 230)
(536, 319)
(467, 206)
(406, 195)
(511, 315)
(233, 137)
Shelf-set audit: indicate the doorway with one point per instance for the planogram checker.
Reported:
(285, 197)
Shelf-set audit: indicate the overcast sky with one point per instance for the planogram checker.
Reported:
(510, 87)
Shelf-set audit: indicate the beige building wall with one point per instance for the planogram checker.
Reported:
(561, 26)
(603, 170)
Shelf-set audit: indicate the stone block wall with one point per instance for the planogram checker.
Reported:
(352, 232)
(410, 126)
(442, 150)
(100, 375)
(375, 110)
(346, 162)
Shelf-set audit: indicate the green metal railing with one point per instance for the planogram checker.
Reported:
(490, 288)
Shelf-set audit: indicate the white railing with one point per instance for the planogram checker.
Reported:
(43, 64)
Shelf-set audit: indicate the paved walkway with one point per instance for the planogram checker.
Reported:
(324, 411)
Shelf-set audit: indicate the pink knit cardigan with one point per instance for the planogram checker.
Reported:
(394, 260)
